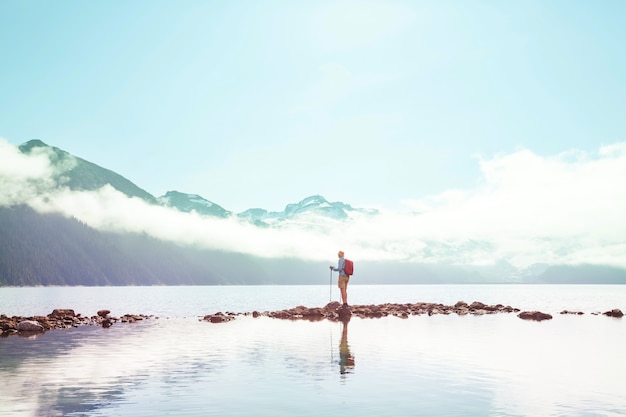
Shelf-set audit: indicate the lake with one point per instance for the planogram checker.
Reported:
(440, 365)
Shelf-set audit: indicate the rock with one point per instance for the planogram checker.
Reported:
(344, 314)
(255, 314)
(29, 326)
(130, 318)
(616, 312)
(534, 315)
(571, 312)
(104, 313)
(332, 306)
(218, 317)
(313, 313)
(59, 319)
(7, 324)
(331, 310)
(60, 313)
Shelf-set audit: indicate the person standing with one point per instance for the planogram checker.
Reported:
(342, 282)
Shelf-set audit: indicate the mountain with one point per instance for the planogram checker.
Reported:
(581, 274)
(192, 202)
(81, 175)
(313, 205)
(49, 249)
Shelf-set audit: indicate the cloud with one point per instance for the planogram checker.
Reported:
(22, 176)
(538, 209)
(562, 209)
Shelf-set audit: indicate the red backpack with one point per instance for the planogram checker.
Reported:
(348, 267)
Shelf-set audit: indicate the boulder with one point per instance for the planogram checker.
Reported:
(104, 313)
(59, 319)
(218, 317)
(344, 314)
(29, 326)
(333, 306)
(616, 312)
(60, 313)
(477, 305)
(534, 315)
(313, 313)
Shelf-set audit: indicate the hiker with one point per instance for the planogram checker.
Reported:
(342, 282)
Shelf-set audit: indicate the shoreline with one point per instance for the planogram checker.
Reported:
(333, 311)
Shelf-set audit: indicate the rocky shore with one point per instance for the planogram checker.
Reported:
(61, 319)
(67, 318)
(334, 311)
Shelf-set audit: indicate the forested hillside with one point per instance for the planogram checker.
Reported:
(49, 249)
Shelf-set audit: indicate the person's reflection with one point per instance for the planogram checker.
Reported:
(346, 359)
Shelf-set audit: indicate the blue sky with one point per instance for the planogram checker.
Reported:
(262, 103)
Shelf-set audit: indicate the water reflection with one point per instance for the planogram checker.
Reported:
(84, 371)
(46, 374)
(346, 358)
(441, 365)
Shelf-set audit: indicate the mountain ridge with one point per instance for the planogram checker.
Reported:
(53, 250)
(81, 175)
(49, 249)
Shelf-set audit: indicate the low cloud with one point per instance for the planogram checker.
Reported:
(563, 209)
(22, 176)
(568, 208)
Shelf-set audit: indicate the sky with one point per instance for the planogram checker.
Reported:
(261, 104)
(498, 121)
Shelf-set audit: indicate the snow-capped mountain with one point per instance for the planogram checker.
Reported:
(88, 248)
(313, 205)
(82, 175)
(192, 202)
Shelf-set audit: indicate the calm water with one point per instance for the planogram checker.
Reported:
(495, 365)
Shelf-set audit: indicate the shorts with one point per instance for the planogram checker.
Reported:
(343, 281)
